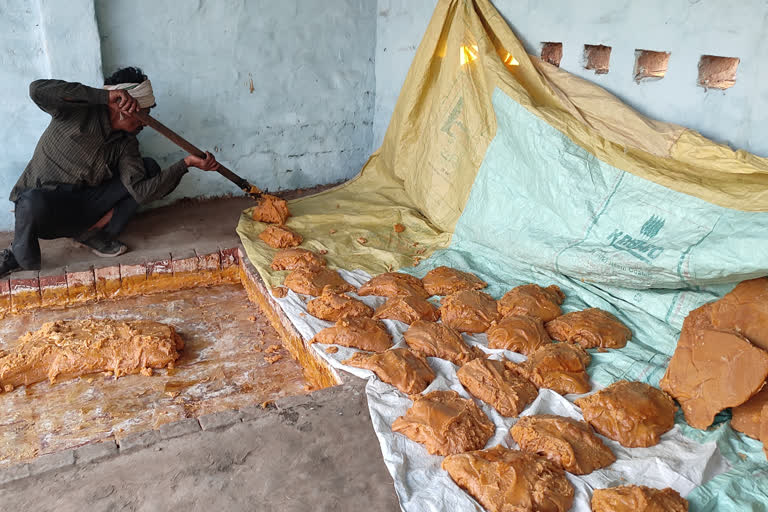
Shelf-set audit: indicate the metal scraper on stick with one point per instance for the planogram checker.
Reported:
(184, 144)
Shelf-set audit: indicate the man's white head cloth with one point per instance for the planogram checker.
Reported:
(142, 92)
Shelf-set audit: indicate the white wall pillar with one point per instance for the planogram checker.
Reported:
(71, 40)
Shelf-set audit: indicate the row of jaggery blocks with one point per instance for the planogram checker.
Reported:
(78, 285)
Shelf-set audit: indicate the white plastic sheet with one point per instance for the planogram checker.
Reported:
(422, 485)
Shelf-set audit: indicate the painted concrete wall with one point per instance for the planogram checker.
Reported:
(38, 38)
(283, 91)
(22, 59)
(686, 28)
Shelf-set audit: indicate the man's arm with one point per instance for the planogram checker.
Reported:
(146, 189)
(57, 96)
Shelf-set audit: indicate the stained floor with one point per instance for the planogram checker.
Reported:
(224, 365)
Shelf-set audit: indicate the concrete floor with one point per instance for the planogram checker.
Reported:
(316, 453)
(312, 452)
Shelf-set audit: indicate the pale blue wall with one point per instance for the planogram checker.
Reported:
(22, 59)
(327, 74)
(308, 120)
(687, 28)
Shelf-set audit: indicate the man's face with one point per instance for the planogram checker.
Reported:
(134, 125)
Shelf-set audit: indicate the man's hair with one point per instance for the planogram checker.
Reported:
(126, 76)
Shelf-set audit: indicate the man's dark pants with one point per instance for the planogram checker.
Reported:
(68, 211)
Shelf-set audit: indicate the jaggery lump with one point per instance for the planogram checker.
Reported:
(638, 498)
(432, 339)
(335, 306)
(746, 417)
(713, 370)
(357, 332)
(398, 367)
(313, 282)
(569, 443)
(533, 300)
(498, 384)
(280, 237)
(504, 480)
(271, 209)
(445, 423)
(71, 348)
(469, 311)
(297, 258)
(745, 310)
(407, 309)
(392, 284)
(561, 367)
(523, 334)
(447, 281)
(590, 328)
(633, 413)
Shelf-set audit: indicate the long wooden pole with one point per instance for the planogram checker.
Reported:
(184, 144)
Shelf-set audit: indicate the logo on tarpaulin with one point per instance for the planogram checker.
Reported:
(640, 247)
(652, 226)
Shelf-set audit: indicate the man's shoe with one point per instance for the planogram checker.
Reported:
(103, 246)
(8, 262)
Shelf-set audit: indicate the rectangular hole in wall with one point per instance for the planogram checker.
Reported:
(552, 53)
(717, 72)
(650, 65)
(597, 58)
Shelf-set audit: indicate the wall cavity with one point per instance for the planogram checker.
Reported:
(650, 65)
(597, 58)
(552, 53)
(717, 72)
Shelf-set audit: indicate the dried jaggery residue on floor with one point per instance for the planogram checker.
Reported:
(218, 370)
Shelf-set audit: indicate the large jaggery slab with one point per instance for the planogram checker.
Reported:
(469, 311)
(523, 334)
(432, 339)
(569, 443)
(271, 209)
(447, 281)
(633, 413)
(745, 310)
(504, 480)
(280, 237)
(407, 309)
(590, 328)
(392, 284)
(638, 498)
(398, 367)
(335, 306)
(445, 423)
(357, 332)
(533, 300)
(498, 384)
(746, 417)
(561, 367)
(313, 282)
(712, 370)
(79, 347)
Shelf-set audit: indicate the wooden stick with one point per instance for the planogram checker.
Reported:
(194, 150)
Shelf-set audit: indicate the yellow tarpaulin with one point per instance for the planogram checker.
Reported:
(442, 125)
